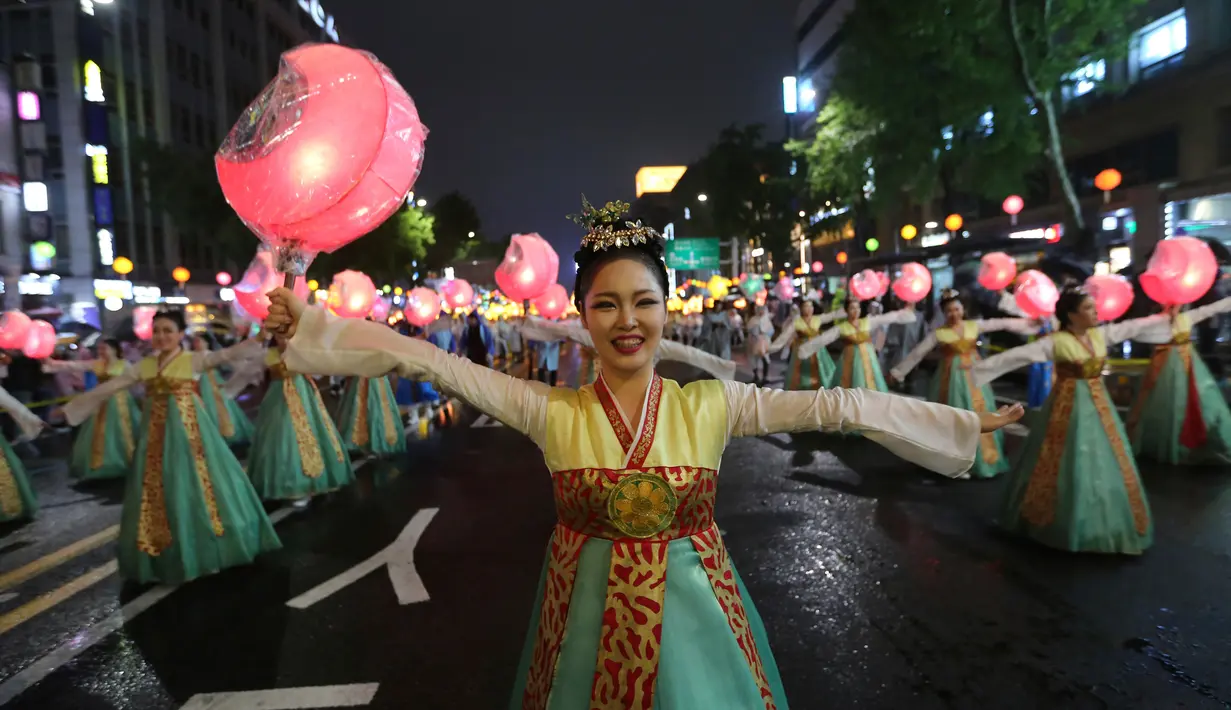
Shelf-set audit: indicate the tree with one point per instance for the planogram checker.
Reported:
(455, 220)
(839, 159)
(386, 253)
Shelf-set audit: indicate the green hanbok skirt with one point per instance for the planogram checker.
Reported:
(235, 426)
(107, 441)
(860, 367)
(369, 419)
(952, 385)
(814, 373)
(297, 451)
(17, 501)
(1180, 414)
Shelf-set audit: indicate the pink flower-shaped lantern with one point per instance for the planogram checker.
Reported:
(143, 321)
(913, 284)
(529, 268)
(1181, 270)
(14, 325)
(1036, 294)
(1112, 293)
(865, 285)
(784, 289)
(380, 309)
(996, 271)
(262, 277)
(40, 340)
(351, 294)
(458, 293)
(422, 306)
(553, 303)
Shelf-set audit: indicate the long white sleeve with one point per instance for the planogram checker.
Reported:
(58, 366)
(831, 316)
(249, 349)
(1151, 329)
(1021, 326)
(916, 355)
(785, 338)
(937, 437)
(820, 342)
(328, 345)
(548, 331)
(1008, 304)
(27, 421)
(79, 408)
(1205, 312)
(902, 316)
(985, 371)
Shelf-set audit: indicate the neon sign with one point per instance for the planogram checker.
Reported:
(98, 163)
(322, 19)
(106, 247)
(94, 83)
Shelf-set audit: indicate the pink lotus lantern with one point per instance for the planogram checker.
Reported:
(14, 325)
(1181, 270)
(1112, 294)
(529, 268)
(996, 271)
(262, 277)
(913, 284)
(40, 340)
(325, 154)
(865, 285)
(458, 293)
(351, 295)
(553, 303)
(223, 278)
(380, 309)
(817, 267)
(422, 306)
(784, 289)
(1036, 294)
(143, 321)
(882, 279)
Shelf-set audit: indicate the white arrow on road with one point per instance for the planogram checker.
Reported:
(486, 422)
(398, 557)
(321, 696)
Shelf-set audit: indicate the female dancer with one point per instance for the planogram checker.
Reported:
(298, 452)
(952, 384)
(235, 426)
(760, 332)
(17, 500)
(1041, 374)
(189, 508)
(634, 460)
(369, 419)
(815, 370)
(1075, 486)
(860, 366)
(1180, 414)
(105, 444)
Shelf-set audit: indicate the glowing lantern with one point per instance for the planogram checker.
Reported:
(325, 154)
(1181, 270)
(872, 244)
(882, 280)
(753, 285)
(718, 287)
(223, 278)
(1112, 294)
(841, 257)
(181, 275)
(817, 267)
(40, 340)
(953, 222)
(1013, 205)
(260, 278)
(351, 294)
(143, 321)
(422, 306)
(1107, 181)
(909, 232)
(553, 302)
(122, 265)
(865, 285)
(996, 271)
(1036, 294)
(458, 293)
(14, 326)
(913, 283)
(530, 267)
(785, 290)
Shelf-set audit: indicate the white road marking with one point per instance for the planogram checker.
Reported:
(481, 421)
(399, 557)
(7, 597)
(321, 696)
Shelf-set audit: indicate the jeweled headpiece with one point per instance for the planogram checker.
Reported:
(606, 227)
(949, 294)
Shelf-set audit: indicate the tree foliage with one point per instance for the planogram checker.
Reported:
(386, 253)
(455, 219)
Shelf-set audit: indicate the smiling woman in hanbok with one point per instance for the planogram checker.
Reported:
(952, 384)
(297, 452)
(17, 500)
(219, 400)
(860, 365)
(1075, 485)
(817, 369)
(1180, 414)
(189, 508)
(104, 445)
(639, 604)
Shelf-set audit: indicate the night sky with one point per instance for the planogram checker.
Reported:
(530, 104)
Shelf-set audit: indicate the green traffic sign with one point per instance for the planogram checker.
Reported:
(693, 254)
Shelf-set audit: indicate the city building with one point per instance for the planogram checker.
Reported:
(818, 36)
(92, 80)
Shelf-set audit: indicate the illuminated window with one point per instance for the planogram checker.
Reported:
(28, 106)
(1085, 79)
(807, 96)
(34, 196)
(94, 83)
(1162, 40)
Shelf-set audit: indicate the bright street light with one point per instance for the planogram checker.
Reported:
(470, 235)
(422, 202)
(801, 213)
(702, 197)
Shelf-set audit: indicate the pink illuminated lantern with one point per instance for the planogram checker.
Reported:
(882, 279)
(422, 306)
(14, 325)
(380, 309)
(529, 268)
(458, 293)
(996, 271)
(325, 154)
(262, 277)
(351, 295)
(40, 340)
(223, 278)
(1181, 270)
(552, 303)
(143, 321)
(1036, 294)
(817, 267)
(1013, 205)
(784, 289)
(865, 285)
(913, 284)
(1112, 294)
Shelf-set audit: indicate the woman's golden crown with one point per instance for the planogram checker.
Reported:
(606, 227)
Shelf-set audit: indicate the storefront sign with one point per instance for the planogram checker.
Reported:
(147, 294)
(833, 236)
(94, 83)
(113, 288)
(98, 163)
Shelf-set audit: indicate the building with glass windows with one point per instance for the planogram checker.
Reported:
(818, 36)
(91, 79)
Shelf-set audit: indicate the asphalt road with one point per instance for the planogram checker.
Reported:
(881, 587)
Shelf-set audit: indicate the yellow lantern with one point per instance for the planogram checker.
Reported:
(953, 222)
(122, 265)
(314, 285)
(718, 287)
(909, 232)
(180, 274)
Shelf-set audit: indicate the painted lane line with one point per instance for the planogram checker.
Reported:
(399, 557)
(321, 696)
(43, 602)
(7, 597)
(481, 421)
(79, 644)
(26, 572)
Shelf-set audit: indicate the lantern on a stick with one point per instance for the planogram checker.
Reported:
(351, 294)
(422, 306)
(325, 154)
(458, 293)
(14, 326)
(841, 257)
(1107, 181)
(1112, 295)
(259, 279)
(883, 283)
(181, 275)
(909, 232)
(784, 290)
(529, 268)
(913, 284)
(553, 302)
(40, 340)
(1013, 205)
(865, 285)
(817, 267)
(1036, 294)
(996, 271)
(1181, 270)
(143, 321)
(953, 222)
(380, 309)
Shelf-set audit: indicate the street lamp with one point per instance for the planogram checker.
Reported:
(422, 202)
(702, 197)
(470, 235)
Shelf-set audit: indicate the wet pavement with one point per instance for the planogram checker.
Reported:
(881, 587)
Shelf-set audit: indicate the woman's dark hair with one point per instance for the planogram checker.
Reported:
(175, 316)
(589, 262)
(115, 344)
(948, 296)
(1070, 300)
(851, 298)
